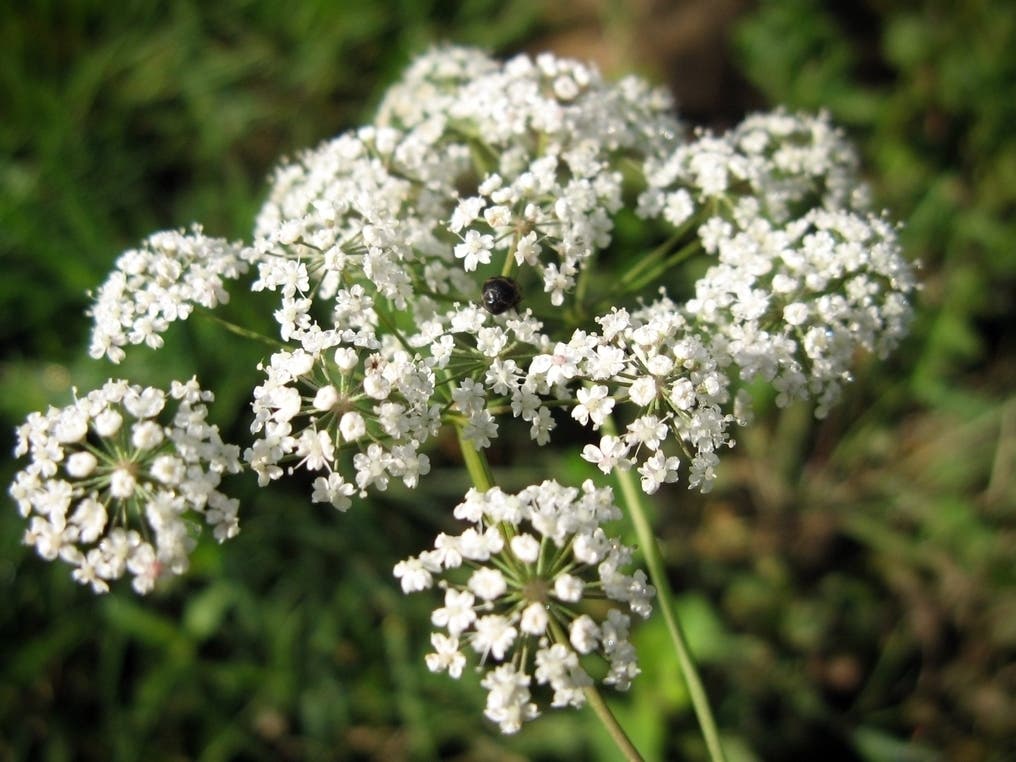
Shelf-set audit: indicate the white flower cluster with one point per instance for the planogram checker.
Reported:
(794, 303)
(111, 488)
(539, 141)
(673, 383)
(514, 582)
(380, 247)
(548, 135)
(316, 405)
(158, 283)
(379, 243)
(787, 163)
(805, 275)
(371, 224)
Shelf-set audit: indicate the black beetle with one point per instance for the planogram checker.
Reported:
(500, 294)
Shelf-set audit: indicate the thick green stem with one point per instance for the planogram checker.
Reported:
(654, 562)
(479, 472)
(476, 462)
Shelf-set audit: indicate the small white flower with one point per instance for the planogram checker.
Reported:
(610, 454)
(568, 588)
(657, 470)
(414, 575)
(146, 435)
(316, 449)
(494, 635)
(526, 548)
(487, 584)
(593, 404)
(643, 391)
(679, 207)
(534, 619)
(474, 249)
(559, 666)
(333, 489)
(346, 359)
(480, 429)
(168, 469)
(464, 214)
(107, 423)
(527, 250)
(91, 517)
(287, 403)
(159, 283)
(795, 314)
(647, 430)
(377, 386)
(469, 396)
(71, 426)
(352, 426)
(446, 657)
(457, 613)
(81, 464)
(325, 398)
(542, 424)
(508, 698)
(583, 634)
(682, 394)
(122, 483)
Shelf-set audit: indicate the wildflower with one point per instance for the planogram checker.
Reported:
(514, 586)
(475, 249)
(158, 283)
(315, 405)
(117, 480)
(557, 127)
(593, 404)
(826, 284)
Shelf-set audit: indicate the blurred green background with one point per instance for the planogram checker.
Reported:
(850, 585)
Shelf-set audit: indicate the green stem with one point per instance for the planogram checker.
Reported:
(654, 561)
(479, 472)
(611, 724)
(240, 330)
(509, 260)
(650, 259)
(394, 329)
(476, 462)
(677, 257)
(599, 706)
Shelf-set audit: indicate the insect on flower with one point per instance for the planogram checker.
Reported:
(500, 294)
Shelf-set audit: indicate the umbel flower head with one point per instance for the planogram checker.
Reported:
(158, 283)
(382, 238)
(377, 244)
(118, 480)
(314, 405)
(515, 582)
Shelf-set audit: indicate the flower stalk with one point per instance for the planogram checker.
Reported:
(603, 713)
(476, 462)
(632, 498)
